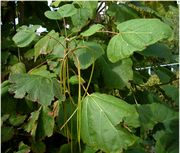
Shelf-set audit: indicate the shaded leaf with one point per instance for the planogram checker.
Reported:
(74, 80)
(38, 147)
(46, 123)
(6, 133)
(92, 30)
(54, 15)
(87, 53)
(116, 75)
(136, 35)
(46, 44)
(25, 35)
(101, 120)
(17, 120)
(152, 114)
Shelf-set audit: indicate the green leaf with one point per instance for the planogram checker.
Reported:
(115, 75)
(87, 53)
(34, 87)
(53, 15)
(102, 120)
(25, 35)
(46, 123)
(158, 50)
(31, 126)
(17, 120)
(80, 19)
(6, 133)
(74, 80)
(38, 147)
(18, 68)
(67, 10)
(152, 114)
(136, 35)
(172, 92)
(46, 44)
(92, 30)
(23, 148)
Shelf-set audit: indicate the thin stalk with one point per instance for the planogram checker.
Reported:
(19, 55)
(90, 78)
(58, 26)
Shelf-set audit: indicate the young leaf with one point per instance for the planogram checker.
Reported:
(136, 35)
(46, 44)
(25, 35)
(102, 122)
(67, 10)
(23, 148)
(92, 30)
(54, 15)
(87, 53)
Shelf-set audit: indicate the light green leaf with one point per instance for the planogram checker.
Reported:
(54, 15)
(25, 35)
(115, 75)
(34, 87)
(16, 120)
(56, 3)
(18, 68)
(45, 123)
(102, 120)
(92, 30)
(152, 114)
(87, 53)
(74, 80)
(23, 148)
(46, 44)
(6, 133)
(67, 10)
(136, 35)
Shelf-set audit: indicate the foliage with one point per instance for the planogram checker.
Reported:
(76, 87)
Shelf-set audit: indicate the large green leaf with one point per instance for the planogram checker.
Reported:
(7, 133)
(87, 53)
(152, 114)
(35, 87)
(136, 35)
(102, 122)
(46, 44)
(67, 10)
(92, 30)
(25, 35)
(115, 75)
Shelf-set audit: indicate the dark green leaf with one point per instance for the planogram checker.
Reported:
(6, 133)
(116, 75)
(23, 148)
(136, 35)
(101, 118)
(38, 147)
(87, 53)
(152, 114)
